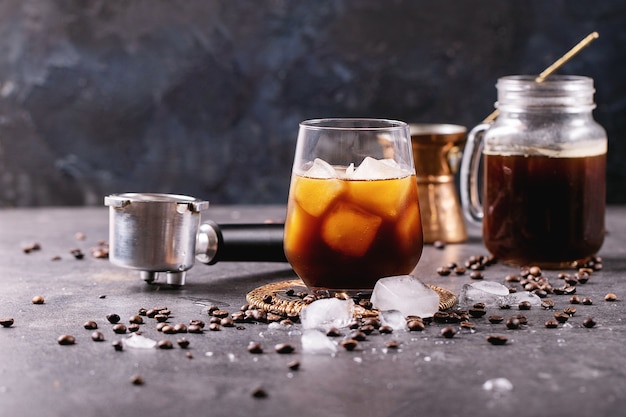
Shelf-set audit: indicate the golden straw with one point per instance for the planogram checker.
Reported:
(552, 68)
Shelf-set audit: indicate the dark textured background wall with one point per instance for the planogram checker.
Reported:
(204, 97)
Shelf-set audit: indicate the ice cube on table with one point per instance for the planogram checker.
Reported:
(349, 230)
(493, 294)
(316, 342)
(137, 341)
(406, 294)
(515, 298)
(393, 318)
(326, 313)
(377, 169)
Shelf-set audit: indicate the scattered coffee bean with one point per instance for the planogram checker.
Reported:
(367, 329)
(497, 339)
(448, 332)
(119, 328)
(133, 328)
(97, 336)
(547, 304)
(161, 317)
(90, 325)
(38, 299)
(118, 345)
(460, 270)
(358, 335)
(513, 323)
(476, 275)
(570, 311)
(512, 278)
(31, 247)
(477, 312)
(168, 329)
(135, 320)
(165, 344)
(495, 319)
(180, 328)
(259, 392)
(574, 299)
(151, 313)
(610, 297)
(66, 339)
(415, 325)
(468, 325)
(561, 317)
(284, 348)
(349, 344)
(392, 344)
(194, 328)
(587, 301)
(255, 347)
(385, 329)
(333, 332)
(136, 380)
(77, 253)
(443, 271)
(227, 322)
(294, 365)
(160, 326)
(220, 313)
(188, 355)
(182, 343)
(439, 244)
(142, 311)
(589, 322)
(7, 321)
(551, 324)
(214, 327)
(524, 305)
(113, 318)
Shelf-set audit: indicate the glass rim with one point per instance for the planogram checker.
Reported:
(552, 80)
(354, 124)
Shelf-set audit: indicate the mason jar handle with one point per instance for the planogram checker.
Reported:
(470, 162)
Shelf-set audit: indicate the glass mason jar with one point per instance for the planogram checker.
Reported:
(544, 173)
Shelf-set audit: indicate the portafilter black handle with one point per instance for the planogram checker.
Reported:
(256, 242)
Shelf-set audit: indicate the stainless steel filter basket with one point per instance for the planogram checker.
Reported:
(154, 233)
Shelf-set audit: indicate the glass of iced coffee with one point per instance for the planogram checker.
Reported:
(353, 213)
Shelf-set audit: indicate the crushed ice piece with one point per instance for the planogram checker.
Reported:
(494, 294)
(406, 294)
(377, 169)
(316, 342)
(393, 318)
(321, 169)
(137, 341)
(498, 385)
(326, 313)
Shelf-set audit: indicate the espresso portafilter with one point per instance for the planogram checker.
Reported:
(163, 233)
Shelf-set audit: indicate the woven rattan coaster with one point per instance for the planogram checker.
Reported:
(282, 298)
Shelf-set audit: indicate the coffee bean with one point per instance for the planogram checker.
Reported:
(551, 324)
(214, 327)
(113, 318)
(90, 325)
(136, 380)
(547, 304)
(180, 328)
(349, 344)
(524, 305)
(439, 244)
(119, 328)
(443, 271)
(476, 275)
(165, 344)
(227, 322)
(133, 328)
(468, 325)
(151, 313)
(294, 365)
(220, 313)
(534, 271)
(66, 339)
(255, 347)
(7, 321)
(497, 339)
(182, 343)
(589, 322)
(194, 328)
(512, 278)
(142, 311)
(477, 312)
(574, 299)
(135, 320)
(367, 329)
(333, 332)
(196, 322)
(38, 299)
(259, 392)
(385, 329)
(284, 348)
(161, 317)
(358, 335)
(448, 332)
(392, 344)
(188, 355)
(570, 311)
(495, 319)
(513, 323)
(415, 325)
(168, 329)
(587, 301)
(118, 345)
(97, 336)
(610, 297)
(561, 317)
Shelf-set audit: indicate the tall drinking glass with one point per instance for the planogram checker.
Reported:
(353, 213)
